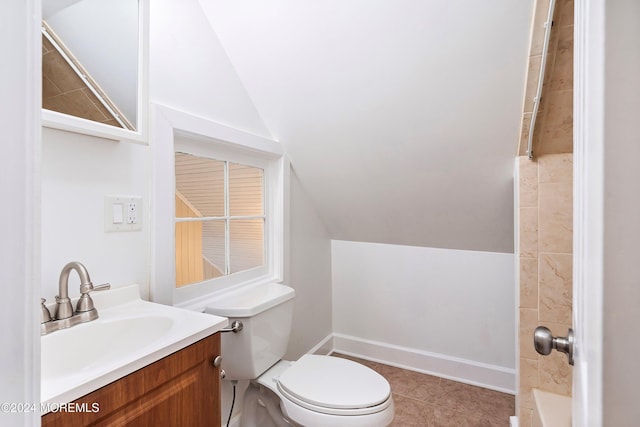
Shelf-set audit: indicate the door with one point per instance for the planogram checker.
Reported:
(606, 213)
(588, 214)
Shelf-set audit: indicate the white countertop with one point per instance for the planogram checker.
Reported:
(128, 335)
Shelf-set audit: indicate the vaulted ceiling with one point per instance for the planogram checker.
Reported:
(401, 118)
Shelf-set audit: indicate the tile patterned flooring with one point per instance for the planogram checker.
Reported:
(424, 400)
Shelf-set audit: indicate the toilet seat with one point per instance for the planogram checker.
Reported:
(334, 386)
(303, 413)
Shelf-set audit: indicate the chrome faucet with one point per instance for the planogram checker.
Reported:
(65, 316)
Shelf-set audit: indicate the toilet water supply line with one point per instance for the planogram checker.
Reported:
(233, 400)
(543, 62)
(236, 326)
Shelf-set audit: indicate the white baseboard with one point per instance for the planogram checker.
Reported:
(324, 347)
(513, 421)
(453, 368)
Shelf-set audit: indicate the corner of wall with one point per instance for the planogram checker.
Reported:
(310, 274)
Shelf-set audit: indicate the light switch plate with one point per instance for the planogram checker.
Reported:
(122, 213)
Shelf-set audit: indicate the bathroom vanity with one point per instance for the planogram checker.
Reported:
(180, 389)
(138, 363)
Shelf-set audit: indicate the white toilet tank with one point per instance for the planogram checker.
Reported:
(265, 311)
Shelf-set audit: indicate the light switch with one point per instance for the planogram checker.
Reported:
(117, 213)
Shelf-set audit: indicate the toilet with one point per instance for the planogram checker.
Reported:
(314, 391)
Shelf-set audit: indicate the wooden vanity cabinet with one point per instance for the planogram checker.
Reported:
(182, 389)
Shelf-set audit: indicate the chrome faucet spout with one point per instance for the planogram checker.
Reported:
(64, 307)
(63, 284)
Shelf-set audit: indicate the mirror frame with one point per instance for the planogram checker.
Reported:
(56, 120)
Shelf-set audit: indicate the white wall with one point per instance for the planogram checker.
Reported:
(77, 172)
(19, 218)
(190, 71)
(435, 304)
(310, 274)
(415, 105)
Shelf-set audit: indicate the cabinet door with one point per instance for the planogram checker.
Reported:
(183, 389)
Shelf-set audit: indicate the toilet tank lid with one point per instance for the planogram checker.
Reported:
(249, 300)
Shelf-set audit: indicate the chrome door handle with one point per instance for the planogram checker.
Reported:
(544, 342)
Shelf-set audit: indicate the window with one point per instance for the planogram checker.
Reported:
(218, 206)
(220, 218)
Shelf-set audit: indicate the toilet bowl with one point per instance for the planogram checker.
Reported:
(315, 390)
(327, 391)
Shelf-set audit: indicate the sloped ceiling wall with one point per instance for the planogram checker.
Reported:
(401, 118)
(190, 71)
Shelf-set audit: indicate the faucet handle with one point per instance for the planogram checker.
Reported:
(85, 303)
(85, 288)
(103, 287)
(45, 315)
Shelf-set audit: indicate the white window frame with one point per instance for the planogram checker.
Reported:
(173, 130)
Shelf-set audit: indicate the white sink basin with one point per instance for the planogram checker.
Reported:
(95, 343)
(129, 334)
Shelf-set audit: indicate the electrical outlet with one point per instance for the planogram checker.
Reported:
(132, 218)
(122, 213)
(132, 213)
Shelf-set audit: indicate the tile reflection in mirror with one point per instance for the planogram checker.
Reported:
(90, 69)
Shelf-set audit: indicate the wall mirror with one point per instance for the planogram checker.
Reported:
(94, 62)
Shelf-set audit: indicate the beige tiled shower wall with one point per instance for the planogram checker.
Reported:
(546, 209)
(546, 259)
